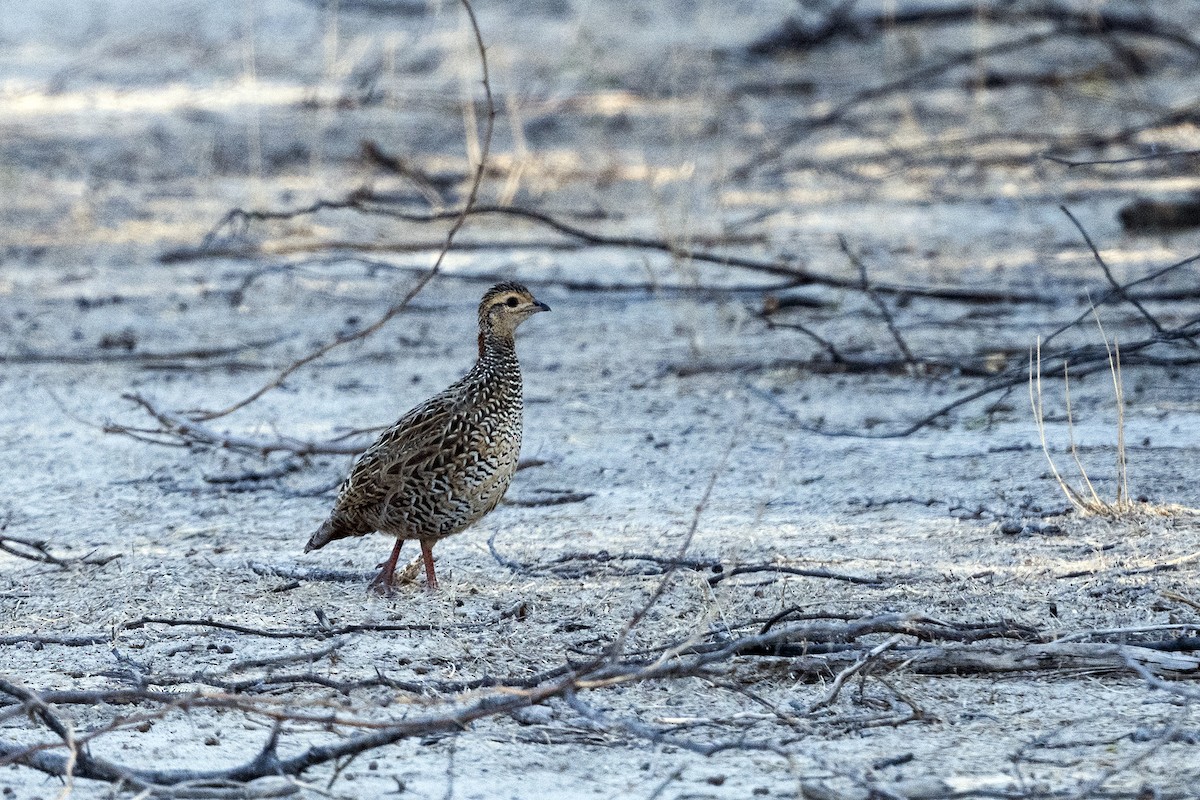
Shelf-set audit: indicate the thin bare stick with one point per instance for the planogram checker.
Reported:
(1116, 286)
(1039, 419)
(1068, 162)
(186, 433)
(1074, 448)
(1114, 368)
(797, 275)
(870, 292)
(1119, 388)
(1111, 293)
(834, 354)
(854, 669)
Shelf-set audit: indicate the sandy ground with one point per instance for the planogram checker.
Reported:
(128, 128)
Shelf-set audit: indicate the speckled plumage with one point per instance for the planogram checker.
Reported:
(447, 462)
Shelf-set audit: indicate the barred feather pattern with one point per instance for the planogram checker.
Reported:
(448, 462)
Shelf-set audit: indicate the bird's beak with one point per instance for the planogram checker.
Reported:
(540, 306)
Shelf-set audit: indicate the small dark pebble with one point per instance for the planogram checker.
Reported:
(894, 761)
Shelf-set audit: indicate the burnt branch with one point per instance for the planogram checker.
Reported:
(237, 219)
(148, 359)
(1118, 290)
(1070, 162)
(179, 430)
(38, 550)
(842, 23)
(579, 565)
(816, 647)
(870, 292)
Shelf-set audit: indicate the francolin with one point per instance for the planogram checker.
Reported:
(446, 463)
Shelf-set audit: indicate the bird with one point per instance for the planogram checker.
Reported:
(446, 463)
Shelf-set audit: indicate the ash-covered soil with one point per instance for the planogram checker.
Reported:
(661, 402)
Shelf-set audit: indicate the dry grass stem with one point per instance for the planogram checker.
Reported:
(1089, 501)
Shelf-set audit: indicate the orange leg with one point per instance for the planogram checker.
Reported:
(383, 581)
(431, 583)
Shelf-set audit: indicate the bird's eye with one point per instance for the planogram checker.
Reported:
(512, 302)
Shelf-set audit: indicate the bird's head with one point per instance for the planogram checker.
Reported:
(504, 307)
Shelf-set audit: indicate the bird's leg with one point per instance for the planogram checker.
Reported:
(431, 583)
(383, 581)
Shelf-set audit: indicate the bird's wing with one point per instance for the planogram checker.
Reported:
(388, 464)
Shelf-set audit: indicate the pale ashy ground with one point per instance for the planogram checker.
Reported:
(128, 128)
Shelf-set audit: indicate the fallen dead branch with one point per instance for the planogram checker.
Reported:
(238, 218)
(840, 364)
(995, 658)
(299, 573)
(842, 23)
(1070, 162)
(976, 651)
(749, 569)
(39, 550)
(1164, 566)
(581, 565)
(318, 632)
(858, 666)
(142, 358)
(177, 430)
(1086, 361)
(267, 762)
(909, 359)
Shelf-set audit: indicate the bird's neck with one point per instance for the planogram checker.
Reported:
(497, 351)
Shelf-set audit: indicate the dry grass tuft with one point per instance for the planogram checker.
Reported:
(1086, 500)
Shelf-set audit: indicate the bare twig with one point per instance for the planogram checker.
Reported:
(834, 354)
(971, 649)
(842, 23)
(796, 275)
(135, 357)
(1117, 288)
(852, 670)
(178, 430)
(39, 550)
(1069, 162)
(870, 292)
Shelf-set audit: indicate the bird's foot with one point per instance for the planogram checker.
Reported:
(381, 584)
